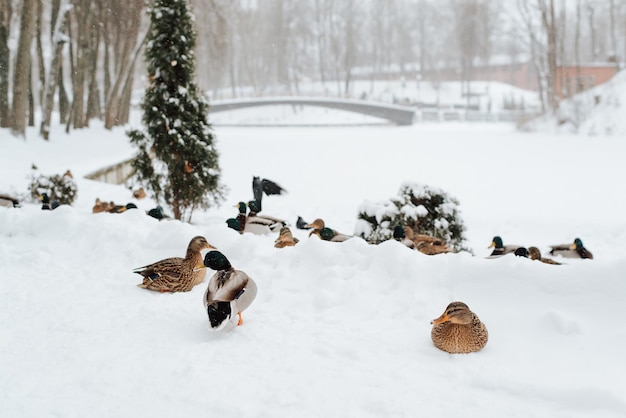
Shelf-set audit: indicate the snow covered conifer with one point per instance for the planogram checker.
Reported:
(176, 160)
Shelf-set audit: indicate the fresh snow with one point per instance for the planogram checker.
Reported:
(337, 329)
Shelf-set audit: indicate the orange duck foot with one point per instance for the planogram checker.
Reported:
(240, 319)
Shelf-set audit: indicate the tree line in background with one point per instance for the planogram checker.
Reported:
(80, 57)
(73, 56)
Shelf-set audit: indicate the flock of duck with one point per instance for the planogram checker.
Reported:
(230, 291)
(573, 250)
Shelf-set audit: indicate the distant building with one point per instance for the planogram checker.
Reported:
(571, 79)
(574, 79)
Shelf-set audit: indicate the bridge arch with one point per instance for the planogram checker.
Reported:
(400, 115)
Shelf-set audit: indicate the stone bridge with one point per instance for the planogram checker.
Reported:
(400, 115)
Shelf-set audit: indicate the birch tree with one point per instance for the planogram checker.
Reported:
(21, 87)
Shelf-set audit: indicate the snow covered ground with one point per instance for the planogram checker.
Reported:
(337, 329)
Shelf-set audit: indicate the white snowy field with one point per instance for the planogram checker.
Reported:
(337, 329)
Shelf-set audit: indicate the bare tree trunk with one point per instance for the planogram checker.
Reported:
(67, 116)
(577, 46)
(5, 55)
(107, 53)
(93, 92)
(549, 24)
(124, 109)
(612, 31)
(53, 77)
(592, 32)
(122, 82)
(40, 60)
(64, 102)
(350, 51)
(22, 68)
(127, 56)
(31, 98)
(82, 65)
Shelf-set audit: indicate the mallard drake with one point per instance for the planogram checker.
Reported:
(285, 238)
(46, 204)
(458, 330)
(499, 248)
(158, 213)
(229, 291)
(176, 274)
(425, 243)
(261, 186)
(9, 201)
(253, 223)
(535, 254)
(253, 216)
(574, 250)
(319, 228)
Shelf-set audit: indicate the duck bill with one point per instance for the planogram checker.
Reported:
(493, 244)
(572, 246)
(443, 318)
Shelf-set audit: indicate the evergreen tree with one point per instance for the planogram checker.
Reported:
(177, 160)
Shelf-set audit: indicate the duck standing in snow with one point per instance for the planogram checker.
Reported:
(458, 330)
(176, 274)
(229, 291)
(573, 250)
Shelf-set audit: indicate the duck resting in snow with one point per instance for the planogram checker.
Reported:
(285, 238)
(573, 250)
(535, 254)
(499, 248)
(253, 222)
(458, 330)
(319, 228)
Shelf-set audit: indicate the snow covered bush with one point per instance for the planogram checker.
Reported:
(58, 187)
(427, 210)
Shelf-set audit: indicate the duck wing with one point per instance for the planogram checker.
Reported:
(167, 267)
(226, 286)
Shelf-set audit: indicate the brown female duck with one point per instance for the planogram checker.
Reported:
(176, 274)
(458, 330)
